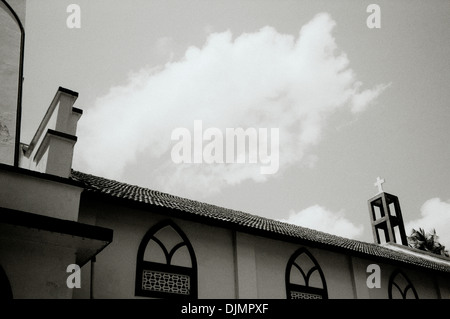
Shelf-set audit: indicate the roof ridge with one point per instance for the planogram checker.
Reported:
(113, 188)
(210, 205)
(162, 193)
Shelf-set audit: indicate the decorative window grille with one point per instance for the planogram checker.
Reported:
(304, 277)
(166, 282)
(304, 295)
(166, 266)
(400, 287)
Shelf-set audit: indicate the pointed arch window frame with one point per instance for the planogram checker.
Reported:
(290, 287)
(168, 268)
(404, 291)
(16, 18)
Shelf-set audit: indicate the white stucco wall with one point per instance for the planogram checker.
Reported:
(36, 270)
(115, 266)
(247, 266)
(30, 194)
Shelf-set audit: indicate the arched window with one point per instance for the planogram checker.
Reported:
(400, 287)
(166, 266)
(12, 39)
(304, 278)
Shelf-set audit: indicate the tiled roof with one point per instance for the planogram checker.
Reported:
(241, 220)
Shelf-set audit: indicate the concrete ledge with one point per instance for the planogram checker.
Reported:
(86, 240)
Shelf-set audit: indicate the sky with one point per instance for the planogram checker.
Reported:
(349, 103)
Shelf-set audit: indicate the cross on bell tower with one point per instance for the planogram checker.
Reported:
(379, 184)
(386, 217)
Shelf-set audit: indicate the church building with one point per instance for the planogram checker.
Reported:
(65, 234)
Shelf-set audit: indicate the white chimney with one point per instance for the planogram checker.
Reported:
(51, 149)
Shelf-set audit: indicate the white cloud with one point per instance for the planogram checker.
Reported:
(262, 80)
(362, 100)
(435, 215)
(319, 218)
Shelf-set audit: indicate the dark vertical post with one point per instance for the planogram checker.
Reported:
(19, 100)
(91, 288)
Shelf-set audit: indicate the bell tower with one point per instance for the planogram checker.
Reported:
(386, 217)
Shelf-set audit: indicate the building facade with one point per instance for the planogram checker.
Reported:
(132, 242)
(65, 234)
